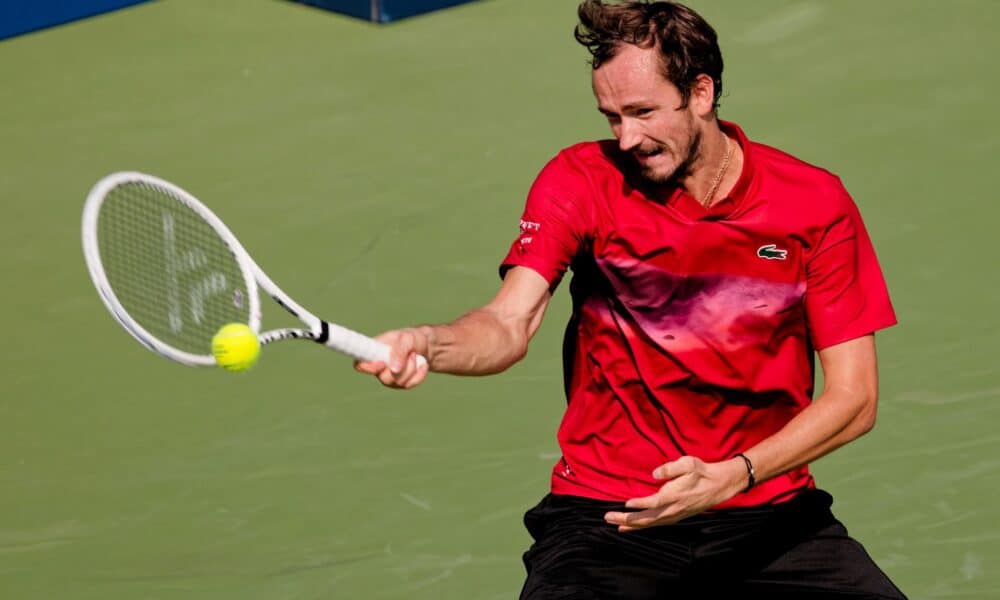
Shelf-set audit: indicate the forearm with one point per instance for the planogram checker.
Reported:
(480, 342)
(692, 485)
(836, 417)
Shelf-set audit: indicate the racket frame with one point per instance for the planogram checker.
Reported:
(333, 336)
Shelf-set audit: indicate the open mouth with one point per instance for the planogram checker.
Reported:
(645, 155)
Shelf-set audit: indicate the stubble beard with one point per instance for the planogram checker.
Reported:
(681, 172)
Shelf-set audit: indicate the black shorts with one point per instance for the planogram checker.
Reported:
(796, 549)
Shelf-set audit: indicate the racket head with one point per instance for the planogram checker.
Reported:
(167, 268)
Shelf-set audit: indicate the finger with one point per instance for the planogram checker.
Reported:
(655, 500)
(418, 376)
(387, 377)
(398, 353)
(369, 367)
(662, 520)
(401, 346)
(400, 373)
(628, 519)
(408, 372)
(635, 520)
(615, 518)
(676, 468)
(412, 366)
(631, 521)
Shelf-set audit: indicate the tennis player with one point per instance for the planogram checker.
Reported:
(707, 271)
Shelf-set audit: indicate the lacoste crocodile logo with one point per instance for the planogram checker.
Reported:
(772, 252)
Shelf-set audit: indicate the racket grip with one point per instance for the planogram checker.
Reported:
(360, 346)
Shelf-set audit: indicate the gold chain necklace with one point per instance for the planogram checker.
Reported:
(718, 178)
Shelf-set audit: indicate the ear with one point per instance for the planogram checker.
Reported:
(702, 95)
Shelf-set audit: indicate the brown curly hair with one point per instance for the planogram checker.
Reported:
(687, 44)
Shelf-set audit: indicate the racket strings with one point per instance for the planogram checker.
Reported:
(168, 267)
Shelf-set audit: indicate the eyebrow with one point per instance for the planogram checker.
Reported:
(628, 107)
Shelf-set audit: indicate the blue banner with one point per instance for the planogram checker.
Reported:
(362, 9)
(22, 16)
(390, 10)
(382, 11)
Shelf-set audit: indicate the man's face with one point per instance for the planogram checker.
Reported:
(641, 106)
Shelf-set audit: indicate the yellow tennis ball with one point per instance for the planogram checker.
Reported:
(235, 347)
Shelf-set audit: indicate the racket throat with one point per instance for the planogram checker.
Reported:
(324, 333)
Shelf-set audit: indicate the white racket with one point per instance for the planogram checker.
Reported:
(172, 274)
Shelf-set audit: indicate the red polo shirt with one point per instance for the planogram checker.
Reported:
(693, 329)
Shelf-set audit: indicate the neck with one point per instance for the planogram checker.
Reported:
(715, 173)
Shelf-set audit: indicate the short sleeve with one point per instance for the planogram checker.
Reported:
(846, 295)
(554, 222)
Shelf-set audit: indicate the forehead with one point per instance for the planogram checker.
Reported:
(634, 74)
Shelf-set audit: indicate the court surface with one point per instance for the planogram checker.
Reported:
(377, 173)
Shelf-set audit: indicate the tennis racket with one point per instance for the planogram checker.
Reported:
(172, 274)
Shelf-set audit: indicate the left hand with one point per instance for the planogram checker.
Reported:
(692, 487)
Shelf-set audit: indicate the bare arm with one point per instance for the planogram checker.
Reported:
(483, 341)
(843, 412)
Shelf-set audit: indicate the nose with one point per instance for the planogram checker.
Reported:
(629, 135)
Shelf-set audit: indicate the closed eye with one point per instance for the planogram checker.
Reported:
(639, 112)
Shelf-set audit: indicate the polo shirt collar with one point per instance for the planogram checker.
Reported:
(737, 197)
